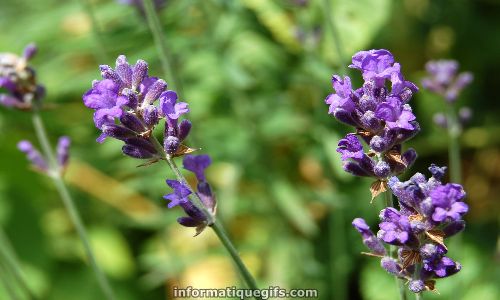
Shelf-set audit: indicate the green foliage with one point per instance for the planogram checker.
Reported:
(255, 74)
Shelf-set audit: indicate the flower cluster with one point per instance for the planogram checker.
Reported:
(18, 85)
(196, 216)
(128, 105)
(382, 116)
(444, 81)
(430, 212)
(124, 104)
(39, 162)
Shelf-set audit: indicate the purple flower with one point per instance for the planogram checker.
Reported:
(444, 80)
(369, 239)
(197, 164)
(62, 151)
(395, 114)
(381, 115)
(350, 147)
(447, 203)
(32, 154)
(18, 82)
(179, 195)
(440, 267)
(128, 104)
(341, 100)
(395, 228)
(375, 64)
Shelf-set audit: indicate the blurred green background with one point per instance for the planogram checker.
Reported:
(255, 74)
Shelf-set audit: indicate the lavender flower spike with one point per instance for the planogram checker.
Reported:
(444, 80)
(380, 113)
(63, 151)
(128, 104)
(36, 159)
(369, 239)
(18, 84)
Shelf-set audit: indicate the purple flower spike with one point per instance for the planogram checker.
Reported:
(180, 194)
(33, 155)
(369, 239)
(63, 151)
(29, 51)
(18, 82)
(444, 80)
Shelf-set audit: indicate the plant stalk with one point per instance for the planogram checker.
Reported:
(161, 45)
(70, 204)
(5, 282)
(213, 223)
(335, 34)
(454, 131)
(101, 53)
(12, 262)
(223, 237)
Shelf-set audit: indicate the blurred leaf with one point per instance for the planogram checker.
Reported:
(289, 202)
(112, 251)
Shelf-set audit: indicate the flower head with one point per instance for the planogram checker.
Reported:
(444, 79)
(128, 104)
(380, 113)
(33, 155)
(18, 82)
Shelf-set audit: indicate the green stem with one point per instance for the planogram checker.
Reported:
(454, 131)
(161, 45)
(419, 296)
(69, 204)
(223, 237)
(389, 201)
(213, 223)
(335, 34)
(12, 262)
(101, 49)
(218, 228)
(5, 282)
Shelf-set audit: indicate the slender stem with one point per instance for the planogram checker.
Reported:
(454, 131)
(389, 200)
(419, 296)
(69, 204)
(101, 49)
(161, 45)
(214, 224)
(327, 9)
(12, 262)
(219, 230)
(223, 237)
(8, 287)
